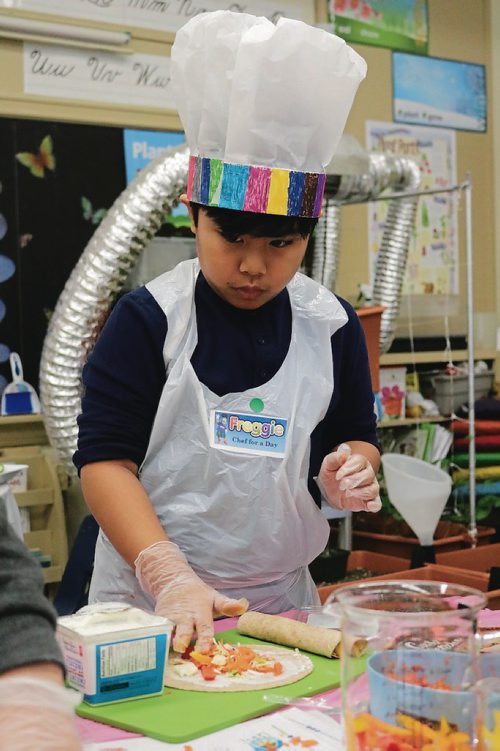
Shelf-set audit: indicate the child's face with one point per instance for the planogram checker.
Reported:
(246, 271)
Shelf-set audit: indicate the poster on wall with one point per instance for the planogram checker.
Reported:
(141, 147)
(162, 15)
(396, 24)
(442, 93)
(433, 263)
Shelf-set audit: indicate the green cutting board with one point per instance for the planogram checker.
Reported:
(179, 716)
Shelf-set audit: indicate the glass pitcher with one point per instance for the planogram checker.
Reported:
(410, 657)
(488, 714)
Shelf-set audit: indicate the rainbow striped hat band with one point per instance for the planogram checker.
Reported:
(262, 190)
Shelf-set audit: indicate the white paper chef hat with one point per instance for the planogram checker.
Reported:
(263, 107)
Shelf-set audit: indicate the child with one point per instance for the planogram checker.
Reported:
(198, 526)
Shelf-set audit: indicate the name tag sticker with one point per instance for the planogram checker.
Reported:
(248, 433)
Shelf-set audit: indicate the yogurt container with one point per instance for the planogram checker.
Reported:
(114, 652)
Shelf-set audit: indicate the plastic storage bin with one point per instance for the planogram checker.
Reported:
(450, 392)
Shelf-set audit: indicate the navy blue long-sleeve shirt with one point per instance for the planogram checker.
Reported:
(237, 350)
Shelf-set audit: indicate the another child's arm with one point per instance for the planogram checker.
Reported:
(36, 710)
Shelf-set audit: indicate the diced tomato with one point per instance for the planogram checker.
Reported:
(208, 672)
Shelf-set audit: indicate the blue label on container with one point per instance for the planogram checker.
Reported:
(127, 669)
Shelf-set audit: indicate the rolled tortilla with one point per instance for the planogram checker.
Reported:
(290, 633)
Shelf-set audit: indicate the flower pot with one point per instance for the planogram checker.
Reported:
(429, 572)
(330, 566)
(365, 559)
(370, 321)
(493, 598)
(387, 535)
(435, 572)
(474, 559)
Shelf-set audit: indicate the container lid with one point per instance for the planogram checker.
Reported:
(8, 471)
(111, 617)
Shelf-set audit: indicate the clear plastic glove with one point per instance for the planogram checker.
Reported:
(348, 482)
(37, 714)
(181, 596)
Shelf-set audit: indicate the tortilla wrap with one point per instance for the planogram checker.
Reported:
(279, 630)
(295, 667)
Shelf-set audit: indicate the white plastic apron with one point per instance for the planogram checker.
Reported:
(247, 524)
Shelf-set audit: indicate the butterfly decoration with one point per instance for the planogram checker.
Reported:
(89, 214)
(42, 160)
(25, 239)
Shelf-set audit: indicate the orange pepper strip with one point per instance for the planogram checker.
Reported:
(200, 659)
(418, 728)
(246, 653)
(379, 725)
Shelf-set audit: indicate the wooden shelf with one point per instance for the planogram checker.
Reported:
(22, 430)
(44, 503)
(52, 574)
(458, 355)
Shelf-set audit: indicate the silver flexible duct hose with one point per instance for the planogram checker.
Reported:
(326, 245)
(385, 172)
(98, 277)
(393, 252)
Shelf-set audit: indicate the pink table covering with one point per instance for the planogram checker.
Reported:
(96, 732)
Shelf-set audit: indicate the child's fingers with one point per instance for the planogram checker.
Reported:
(374, 505)
(364, 477)
(204, 627)
(355, 503)
(364, 493)
(183, 634)
(333, 461)
(229, 607)
(354, 463)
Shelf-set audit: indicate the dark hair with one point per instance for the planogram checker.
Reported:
(234, 223)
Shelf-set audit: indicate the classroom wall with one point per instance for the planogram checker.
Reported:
(459, 29)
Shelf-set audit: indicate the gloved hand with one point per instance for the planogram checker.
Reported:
(37, 714)
(347, 481)
(181, 596)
